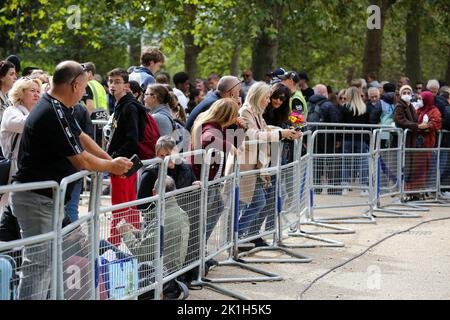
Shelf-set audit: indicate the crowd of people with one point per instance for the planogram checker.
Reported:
(47, 133)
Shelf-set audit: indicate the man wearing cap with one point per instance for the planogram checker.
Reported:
(273, 76)
(228, 87)
(298, 102)
(52, 147)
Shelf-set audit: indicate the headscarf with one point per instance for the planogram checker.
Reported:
(405, 87)
(428, 104)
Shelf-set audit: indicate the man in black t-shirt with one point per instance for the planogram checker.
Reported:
(52, 147)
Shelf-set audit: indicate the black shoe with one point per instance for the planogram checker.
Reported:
(106, 191)
(259, 243)
(209, 265)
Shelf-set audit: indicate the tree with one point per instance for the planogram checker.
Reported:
(413, 64)
(374, 42)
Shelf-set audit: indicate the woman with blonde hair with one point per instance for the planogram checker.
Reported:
(258, 190)
(24, 95)
(355, 112)
(209, 131)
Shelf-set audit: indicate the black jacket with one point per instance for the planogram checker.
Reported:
(329, 112)
(129, 120)
(182, 174)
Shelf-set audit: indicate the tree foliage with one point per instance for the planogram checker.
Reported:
(324, 38)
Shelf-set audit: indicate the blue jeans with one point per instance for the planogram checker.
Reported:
(360, 164)
(71, 207)
(252, 211)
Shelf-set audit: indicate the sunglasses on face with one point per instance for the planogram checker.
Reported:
(281, 98)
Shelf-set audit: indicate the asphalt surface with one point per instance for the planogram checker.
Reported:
(412, 265)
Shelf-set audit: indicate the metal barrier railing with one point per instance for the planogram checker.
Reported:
(389, 146)
(77, 247)
(80, 264)
(284, 186)
(33, 259)
(134, 267)
(425, 168)
(306, 201)
(345, 160)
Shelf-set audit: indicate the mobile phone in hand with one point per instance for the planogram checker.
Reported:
(137, 164)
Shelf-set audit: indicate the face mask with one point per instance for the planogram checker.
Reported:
(419, 104)
(407, 98)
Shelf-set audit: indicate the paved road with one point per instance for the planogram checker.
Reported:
(415, 265)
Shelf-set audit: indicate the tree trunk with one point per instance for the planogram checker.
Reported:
(235, 61)
(374, 43)
(447, 74)
(191, 53)
(413, 65)
(134, 43)
(265, 50)
(191, 50)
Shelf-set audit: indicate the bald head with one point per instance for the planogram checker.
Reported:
(66, 72)
(229, 86)
(321, 90)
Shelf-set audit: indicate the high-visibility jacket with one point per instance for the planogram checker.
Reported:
(100, 100)
(298, 95)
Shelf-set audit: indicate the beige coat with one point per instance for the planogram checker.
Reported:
(255, 156)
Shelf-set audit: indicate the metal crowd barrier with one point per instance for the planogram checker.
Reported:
(134, 266)
(389, 146)
(426, 169)
(157, 244)
(280, 198)
(181, 220)
(233, 260)
(28, 267)
(444, 166)
(77, 247)
(342, 163)
(305, 217)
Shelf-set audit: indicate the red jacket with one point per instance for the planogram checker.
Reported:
(435, 124)
(212, 136)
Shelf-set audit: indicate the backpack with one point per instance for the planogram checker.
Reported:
(9, 278)
(178, 133)
(315, 114)
(147, 143)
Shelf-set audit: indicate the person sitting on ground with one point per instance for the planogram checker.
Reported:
(179, 170)
(141, 243)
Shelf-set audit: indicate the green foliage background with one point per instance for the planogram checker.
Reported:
(324, 38)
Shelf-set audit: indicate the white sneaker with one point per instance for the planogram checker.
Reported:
(364, 193)
(345, 192)
(445, 194)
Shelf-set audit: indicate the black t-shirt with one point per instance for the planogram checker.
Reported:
(89, 95)
(46, 144)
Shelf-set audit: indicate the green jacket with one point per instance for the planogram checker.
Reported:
(299, 102)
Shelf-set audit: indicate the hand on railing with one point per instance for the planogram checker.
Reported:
(120, 165)
(290, 134)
